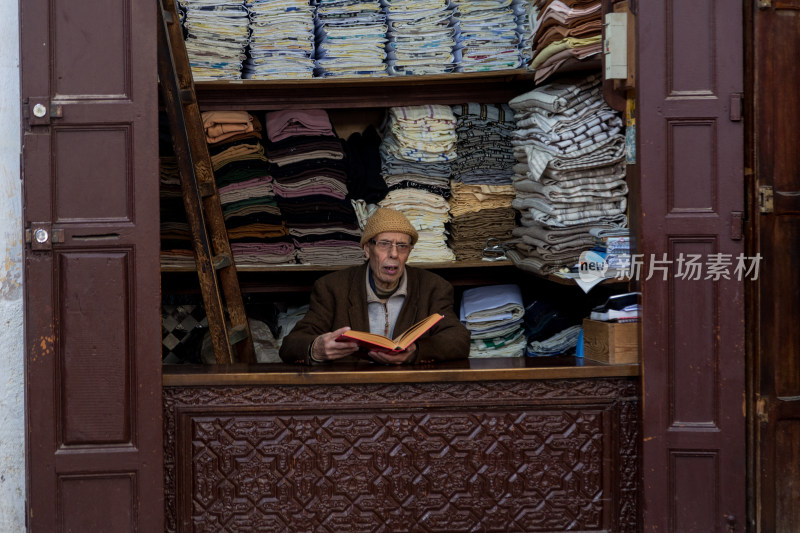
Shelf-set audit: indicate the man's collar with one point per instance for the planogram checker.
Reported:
(402, 287)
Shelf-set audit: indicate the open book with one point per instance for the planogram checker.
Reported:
(380, 343)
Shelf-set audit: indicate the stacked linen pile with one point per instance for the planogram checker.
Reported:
(550, 330)
(421, 36)
(176, 237)
(484, 154)
(566, 36)
(488, 36)
(481, 187)
(217, 33)
(281, 40)
(570, 175)
(255, 227)
(351, 38)
(479, 213)
(494, 317)
(418, 144)
(525, 13)
(310, 183)
(614, 245)
(560, 343)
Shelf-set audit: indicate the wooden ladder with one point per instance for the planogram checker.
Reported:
(213, 259)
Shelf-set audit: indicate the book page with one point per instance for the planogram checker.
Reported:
(415, 331)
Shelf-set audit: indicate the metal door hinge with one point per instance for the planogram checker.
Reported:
(737, 225)
(735, 106)
(764, 4)
(765, 193)
(761, 410)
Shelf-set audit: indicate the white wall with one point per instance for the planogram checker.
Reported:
(12, 394)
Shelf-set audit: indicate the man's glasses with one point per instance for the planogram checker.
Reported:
(385, 246)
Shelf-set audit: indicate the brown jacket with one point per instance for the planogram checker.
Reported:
(340, 299)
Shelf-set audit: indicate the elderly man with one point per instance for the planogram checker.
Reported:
(382, 296)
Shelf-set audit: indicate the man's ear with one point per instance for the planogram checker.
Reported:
(366, 250)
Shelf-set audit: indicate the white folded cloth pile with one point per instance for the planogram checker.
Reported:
(281, 40)
(421, 36)
(416, 150)
(493, 315)
(525, 13)
(350, 38)
(488, 36)
(217, 36)
(570, 175)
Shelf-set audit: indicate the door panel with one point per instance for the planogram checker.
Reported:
(90, 183)
(690, 70)
(777, 358)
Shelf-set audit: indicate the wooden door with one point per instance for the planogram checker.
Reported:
(777, 359)
(92, 321)
(690, 149)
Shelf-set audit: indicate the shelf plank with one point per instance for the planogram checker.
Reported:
(329, 268)
(492, 369)
(335, 93)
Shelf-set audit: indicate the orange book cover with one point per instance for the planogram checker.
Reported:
(381, 343)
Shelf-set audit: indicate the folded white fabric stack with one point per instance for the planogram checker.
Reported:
(217, 36)
(281, 40)
(525, 13)
(416, 150)
(487, 35)
(570, 175)
(351, 38)
(421, 36)
(494, 317)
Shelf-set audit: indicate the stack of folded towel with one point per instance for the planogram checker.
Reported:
(570, 175)
(217, 33)
(281, 40)
(566, 36)
(310, 182)
(418, 145)
(350, 38)
(255, 226)
(480, 205)
(494, 317)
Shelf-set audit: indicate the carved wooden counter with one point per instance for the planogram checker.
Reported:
(484, 445)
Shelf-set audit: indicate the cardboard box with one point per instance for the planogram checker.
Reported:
(611, 342)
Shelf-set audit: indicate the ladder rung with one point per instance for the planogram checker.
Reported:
(237, 334)
(206, 189)
(187, 96)
(221, 261)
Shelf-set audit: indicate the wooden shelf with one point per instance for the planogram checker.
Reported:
(333, 93)
(329, 268)
(300, 278)
(491, 369)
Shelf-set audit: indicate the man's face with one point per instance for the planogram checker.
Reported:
(386, 261)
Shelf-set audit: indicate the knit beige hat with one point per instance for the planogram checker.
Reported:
(385, 219)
